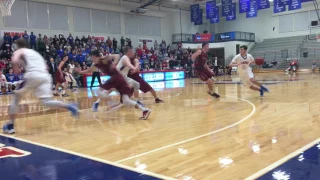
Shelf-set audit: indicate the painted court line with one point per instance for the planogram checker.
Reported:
(281, 161)
(93, 158)
(197, 137)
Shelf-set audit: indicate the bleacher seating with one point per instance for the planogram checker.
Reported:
(270, 49)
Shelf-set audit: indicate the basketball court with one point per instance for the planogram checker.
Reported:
(190, 136)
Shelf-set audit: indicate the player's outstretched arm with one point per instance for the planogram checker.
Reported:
(90, 70)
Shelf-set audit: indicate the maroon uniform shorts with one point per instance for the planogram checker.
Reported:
(204, 74)
(144, 86)
(117, 82)
(60, 77)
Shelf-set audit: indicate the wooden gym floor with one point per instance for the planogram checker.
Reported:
(191, 135)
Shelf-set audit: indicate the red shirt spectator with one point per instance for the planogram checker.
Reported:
(109, 42)
(2, 64)
(179, 45)
(154, 57)
(139, 52)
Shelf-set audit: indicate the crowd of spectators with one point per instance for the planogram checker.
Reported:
(158, 57)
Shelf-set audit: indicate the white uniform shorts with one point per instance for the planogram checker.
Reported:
(245, 77)
(132, 83)
(39, 83)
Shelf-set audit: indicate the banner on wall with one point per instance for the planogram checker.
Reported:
(194, 11)
(295, 4)
(232, 15)
(203, 38)
(263, 4)
(278, 7)
(199, 20)
(210, 9)
(253, 9)
(99, 38)
(306, 0)
(228, 36)
(12, 33)
(149, 42)
(285, 2)
(216, 18)
(226, 7)
(244, 6)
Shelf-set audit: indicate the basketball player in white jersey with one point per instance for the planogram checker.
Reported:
(36, 79)
(243, 61)
(124, 66)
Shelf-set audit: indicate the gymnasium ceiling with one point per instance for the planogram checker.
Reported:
(174, 4)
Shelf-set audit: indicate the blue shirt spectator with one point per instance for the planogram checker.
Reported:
(19, 77)
(33, 38)
(60, 52)
(81, 58)
(26, 36)
(10, 76)
(70, 40)
(16, 37)
(7, 38)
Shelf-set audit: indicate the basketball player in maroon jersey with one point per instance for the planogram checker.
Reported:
(202, 70)
(144, 86)
(61, 79)
(116, 80)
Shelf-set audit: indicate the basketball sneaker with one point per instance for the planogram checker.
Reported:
(157, 100)
(73, 108)
(95, 107)
(214, 94)
(145, 114)
(8, 128)
(265, 88)
(262, 90)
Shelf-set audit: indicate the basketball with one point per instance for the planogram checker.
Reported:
(259, 61)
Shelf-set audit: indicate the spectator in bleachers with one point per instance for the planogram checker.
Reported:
(55, 40)
(129, 42)
(52, 69)
(63, 40)
(41, 45)
(45, 40)
(156, 45)
(122, 42)
(26, 36)
(84, 40)
(10, 79)
(33, 41)
(70, 40)
(7, 38)
(60, 51)
(114, 43)
(77, 40)
(14, 46)
(16, 37)
(3, 81)
(6, 45)
(109, 42)
(163, 48)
